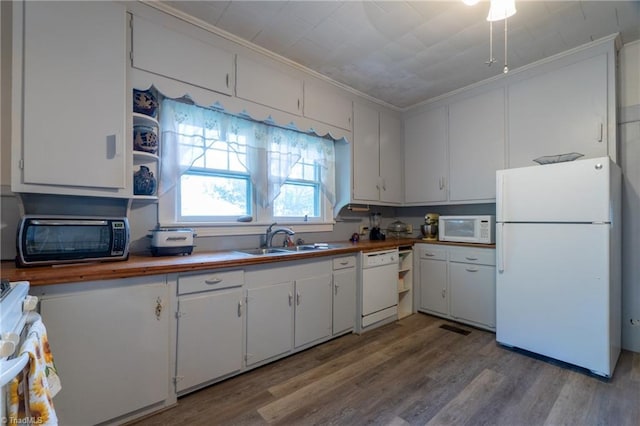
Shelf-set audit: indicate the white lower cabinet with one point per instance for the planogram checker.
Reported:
(313, 309)
(434, 295)
(110, 342)
(344, 294)
(269, 321)
(473, 290)
(458, 283)
(210, 328)
(288, 307)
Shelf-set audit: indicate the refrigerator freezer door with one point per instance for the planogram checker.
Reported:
(577, 191)
(552, 293)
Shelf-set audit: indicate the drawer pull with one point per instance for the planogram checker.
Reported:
(471, 269)
(344, 262)
(471, 258)
(213, 281)
(429, 254)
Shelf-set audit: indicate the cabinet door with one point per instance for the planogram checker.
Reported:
(111, 351)
(313, 309)
(327, 106)
(269, 321)
(425, 156)
(268, 86)
(74, 94)
(473, 292)
(344, 300)
(391, 157)
(209, 337)
(476, 146)
(366, 154)
(434, 295)
(169, 53)
(559, 112)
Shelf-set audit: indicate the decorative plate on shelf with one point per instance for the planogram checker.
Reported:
(560, 158)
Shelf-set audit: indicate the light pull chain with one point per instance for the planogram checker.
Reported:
(506, 67)
(491, 58)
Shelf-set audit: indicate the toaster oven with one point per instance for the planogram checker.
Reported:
(49, 240)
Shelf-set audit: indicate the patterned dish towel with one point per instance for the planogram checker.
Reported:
(31, 391)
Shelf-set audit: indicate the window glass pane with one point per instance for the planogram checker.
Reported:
(296, 200)
(211, 195)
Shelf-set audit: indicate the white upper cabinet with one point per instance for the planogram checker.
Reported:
(391, 151)
(268, 86)
(327, 106)
(163, 51)
(366, 154)
(70, 97)
(476, 146)
(561, 111)
(377, 156)
(425, 156)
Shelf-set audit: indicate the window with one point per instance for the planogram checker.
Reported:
(218, 169)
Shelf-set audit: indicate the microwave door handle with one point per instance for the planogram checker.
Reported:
(57, 222)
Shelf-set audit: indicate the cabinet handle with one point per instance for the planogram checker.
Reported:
(158, 308)
(298, 104)
(212, 281)
(290, 299)
(344, 262)
(429, 254)
(227, 80)
(471, 258)
(113, 146)
(444, 293)
(240, 308)
(471, 269)
(298, 298)
(384, 185)
(600, 135)
(335, 289)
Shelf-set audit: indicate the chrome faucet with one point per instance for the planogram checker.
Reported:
(268, 237)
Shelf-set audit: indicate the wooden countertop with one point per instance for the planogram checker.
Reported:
(451, 243)
(148, 265)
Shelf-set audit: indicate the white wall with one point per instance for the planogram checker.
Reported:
(629, 134)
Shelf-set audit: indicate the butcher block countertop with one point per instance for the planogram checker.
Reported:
(148, 265)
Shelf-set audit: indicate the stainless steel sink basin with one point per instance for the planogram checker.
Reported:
(300, 248)
(309, 247)
(263, 251)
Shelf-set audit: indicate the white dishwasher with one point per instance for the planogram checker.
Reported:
(379, 288)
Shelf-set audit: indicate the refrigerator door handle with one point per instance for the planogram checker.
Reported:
(500, 247)
(500, 197)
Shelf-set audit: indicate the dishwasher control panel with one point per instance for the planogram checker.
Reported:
(379, 258)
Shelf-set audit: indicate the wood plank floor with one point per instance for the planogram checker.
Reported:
(413, 372)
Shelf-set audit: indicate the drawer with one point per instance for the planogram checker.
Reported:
(428, 252)
(214, 280)
(478, 257)
(344, 262)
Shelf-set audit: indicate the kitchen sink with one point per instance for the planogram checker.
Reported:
(263, 251)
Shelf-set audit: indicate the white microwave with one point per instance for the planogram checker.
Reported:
(467, 229)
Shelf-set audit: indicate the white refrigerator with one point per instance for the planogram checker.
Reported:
(558, 274)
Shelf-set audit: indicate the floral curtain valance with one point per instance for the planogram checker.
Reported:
(267, 152)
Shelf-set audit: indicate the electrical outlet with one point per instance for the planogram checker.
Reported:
(634, 322)
(364, 229)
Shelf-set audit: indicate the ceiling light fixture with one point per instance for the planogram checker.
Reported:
(498, 10)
